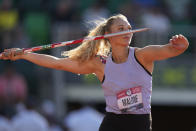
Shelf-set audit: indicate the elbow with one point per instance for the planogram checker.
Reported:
(57, 66)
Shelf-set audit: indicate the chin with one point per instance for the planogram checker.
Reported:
(125, 44)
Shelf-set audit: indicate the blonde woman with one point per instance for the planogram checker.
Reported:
(125, 72)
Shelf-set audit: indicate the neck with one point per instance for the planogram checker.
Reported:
(120, 55)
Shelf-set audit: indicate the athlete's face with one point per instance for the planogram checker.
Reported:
(118, 26)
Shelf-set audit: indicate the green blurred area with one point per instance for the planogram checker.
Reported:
(90, 79)
(174, 76)
(37, 26)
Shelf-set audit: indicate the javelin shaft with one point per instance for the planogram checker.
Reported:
(54, 45)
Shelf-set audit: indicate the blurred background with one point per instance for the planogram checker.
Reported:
(41, 99)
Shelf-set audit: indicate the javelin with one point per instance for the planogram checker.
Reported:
(54, 45)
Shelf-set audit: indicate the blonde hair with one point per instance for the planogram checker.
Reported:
(89, 49)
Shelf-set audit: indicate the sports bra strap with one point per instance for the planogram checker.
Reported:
(103, 59)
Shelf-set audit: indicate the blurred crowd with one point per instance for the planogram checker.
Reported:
(27, 23)
(24, 23)
(31, 115)
(22, 111)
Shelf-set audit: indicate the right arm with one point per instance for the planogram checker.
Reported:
(65, 64)
(54, 62)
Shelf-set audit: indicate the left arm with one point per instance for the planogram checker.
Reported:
(147, 55)
(176, 46)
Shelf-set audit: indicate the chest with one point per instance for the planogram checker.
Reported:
(124, 76)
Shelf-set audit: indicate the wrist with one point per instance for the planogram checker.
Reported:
(24, 55)
(181, 47)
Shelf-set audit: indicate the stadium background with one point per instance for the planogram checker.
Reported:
(28, 23)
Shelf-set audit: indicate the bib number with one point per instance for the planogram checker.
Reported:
(130, 99)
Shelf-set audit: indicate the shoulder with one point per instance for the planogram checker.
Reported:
(136, 50)
(142, 54)
(97, 63)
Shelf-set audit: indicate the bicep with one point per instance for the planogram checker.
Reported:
(73, 66)
(157, 52)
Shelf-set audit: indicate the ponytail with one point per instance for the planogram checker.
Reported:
(89, 49)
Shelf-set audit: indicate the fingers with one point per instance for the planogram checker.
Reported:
(1, 57)
(177, 38)
(179, 42)
(180, 36)
(6, 55)
(11, 54)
